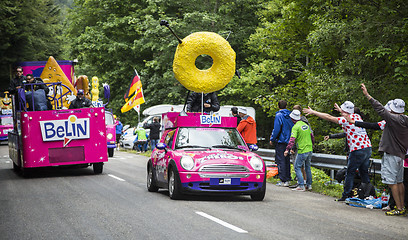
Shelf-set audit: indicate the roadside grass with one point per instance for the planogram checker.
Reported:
(321, 183)
(147, 153)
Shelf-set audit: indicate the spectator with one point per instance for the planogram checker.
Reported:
(303, 137)
(394, 145)
(154, 132)
(234, 111)
(359, 145)
(380, 126)
(118, 130)
(80, 101)
(17, 81)
(140, 142)
(247, 127)
(280, 136)
(293, 151)
(210, 102)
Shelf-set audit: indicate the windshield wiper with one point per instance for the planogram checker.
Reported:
(191, 146)
(226, 146)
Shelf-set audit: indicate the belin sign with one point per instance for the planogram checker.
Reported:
(72, 128)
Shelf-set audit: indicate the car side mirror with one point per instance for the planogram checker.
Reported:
(161, 146)
(253, 148)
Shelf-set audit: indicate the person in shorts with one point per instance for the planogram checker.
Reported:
(394, 145)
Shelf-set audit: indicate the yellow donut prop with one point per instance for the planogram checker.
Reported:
(208, 80)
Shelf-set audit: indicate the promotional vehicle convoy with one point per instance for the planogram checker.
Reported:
(110, 132)
(204, 154)
(57, 137)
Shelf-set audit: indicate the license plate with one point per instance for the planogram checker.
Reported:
(225, 181)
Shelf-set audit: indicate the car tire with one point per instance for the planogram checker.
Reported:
(151, 179)
(174, 184)
(110, 152)
(97, 168)
(260, 195)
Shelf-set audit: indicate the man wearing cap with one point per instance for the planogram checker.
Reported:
(280, 136)
(303, 136)
(247, 127)
(358, 142)
(394, 145)
(80, 101)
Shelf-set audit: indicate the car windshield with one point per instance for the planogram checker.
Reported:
(109, 119)
(209, 138)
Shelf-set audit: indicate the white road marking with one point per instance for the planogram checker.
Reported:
(8, 162)
(219, 221)
(117, 178)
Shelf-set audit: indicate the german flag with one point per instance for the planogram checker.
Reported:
(135, 84)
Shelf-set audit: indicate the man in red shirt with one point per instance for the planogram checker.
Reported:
(247, 127)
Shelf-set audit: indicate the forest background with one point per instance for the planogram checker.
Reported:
(308, 52)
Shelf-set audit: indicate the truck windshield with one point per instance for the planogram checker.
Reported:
(7, 120)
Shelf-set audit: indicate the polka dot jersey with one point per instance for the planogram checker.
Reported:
(357, 137)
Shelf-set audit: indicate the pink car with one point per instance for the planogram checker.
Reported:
(204, 154)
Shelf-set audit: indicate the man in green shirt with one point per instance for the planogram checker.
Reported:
(303, 137)
(140, 142)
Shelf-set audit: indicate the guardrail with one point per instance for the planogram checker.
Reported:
(321, 161)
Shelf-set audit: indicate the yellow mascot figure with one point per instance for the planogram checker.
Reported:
(95, 89)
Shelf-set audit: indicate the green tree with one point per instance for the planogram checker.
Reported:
(31, 30)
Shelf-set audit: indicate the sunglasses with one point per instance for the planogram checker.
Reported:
(19, 71)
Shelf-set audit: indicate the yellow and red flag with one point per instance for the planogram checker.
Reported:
(134, 95)
(134, 86)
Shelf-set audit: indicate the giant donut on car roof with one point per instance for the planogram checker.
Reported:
(208, 80)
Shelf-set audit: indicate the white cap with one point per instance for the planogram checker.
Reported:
(398, 105)
(242, 110)
(348, 107)
(387, 106)
(295, 114)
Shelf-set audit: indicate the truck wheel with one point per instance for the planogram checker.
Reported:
(15, 167)
(97, 168)
(110, 152)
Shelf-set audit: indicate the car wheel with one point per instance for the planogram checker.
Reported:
(174, 185)
(110, 152)
(151, 181)
(97, 168)
(260, 195)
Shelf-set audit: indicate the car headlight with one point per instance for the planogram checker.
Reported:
(256, 163)
(187, 162)
(110, 136)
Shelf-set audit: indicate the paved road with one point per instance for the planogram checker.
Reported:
(62, 203)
